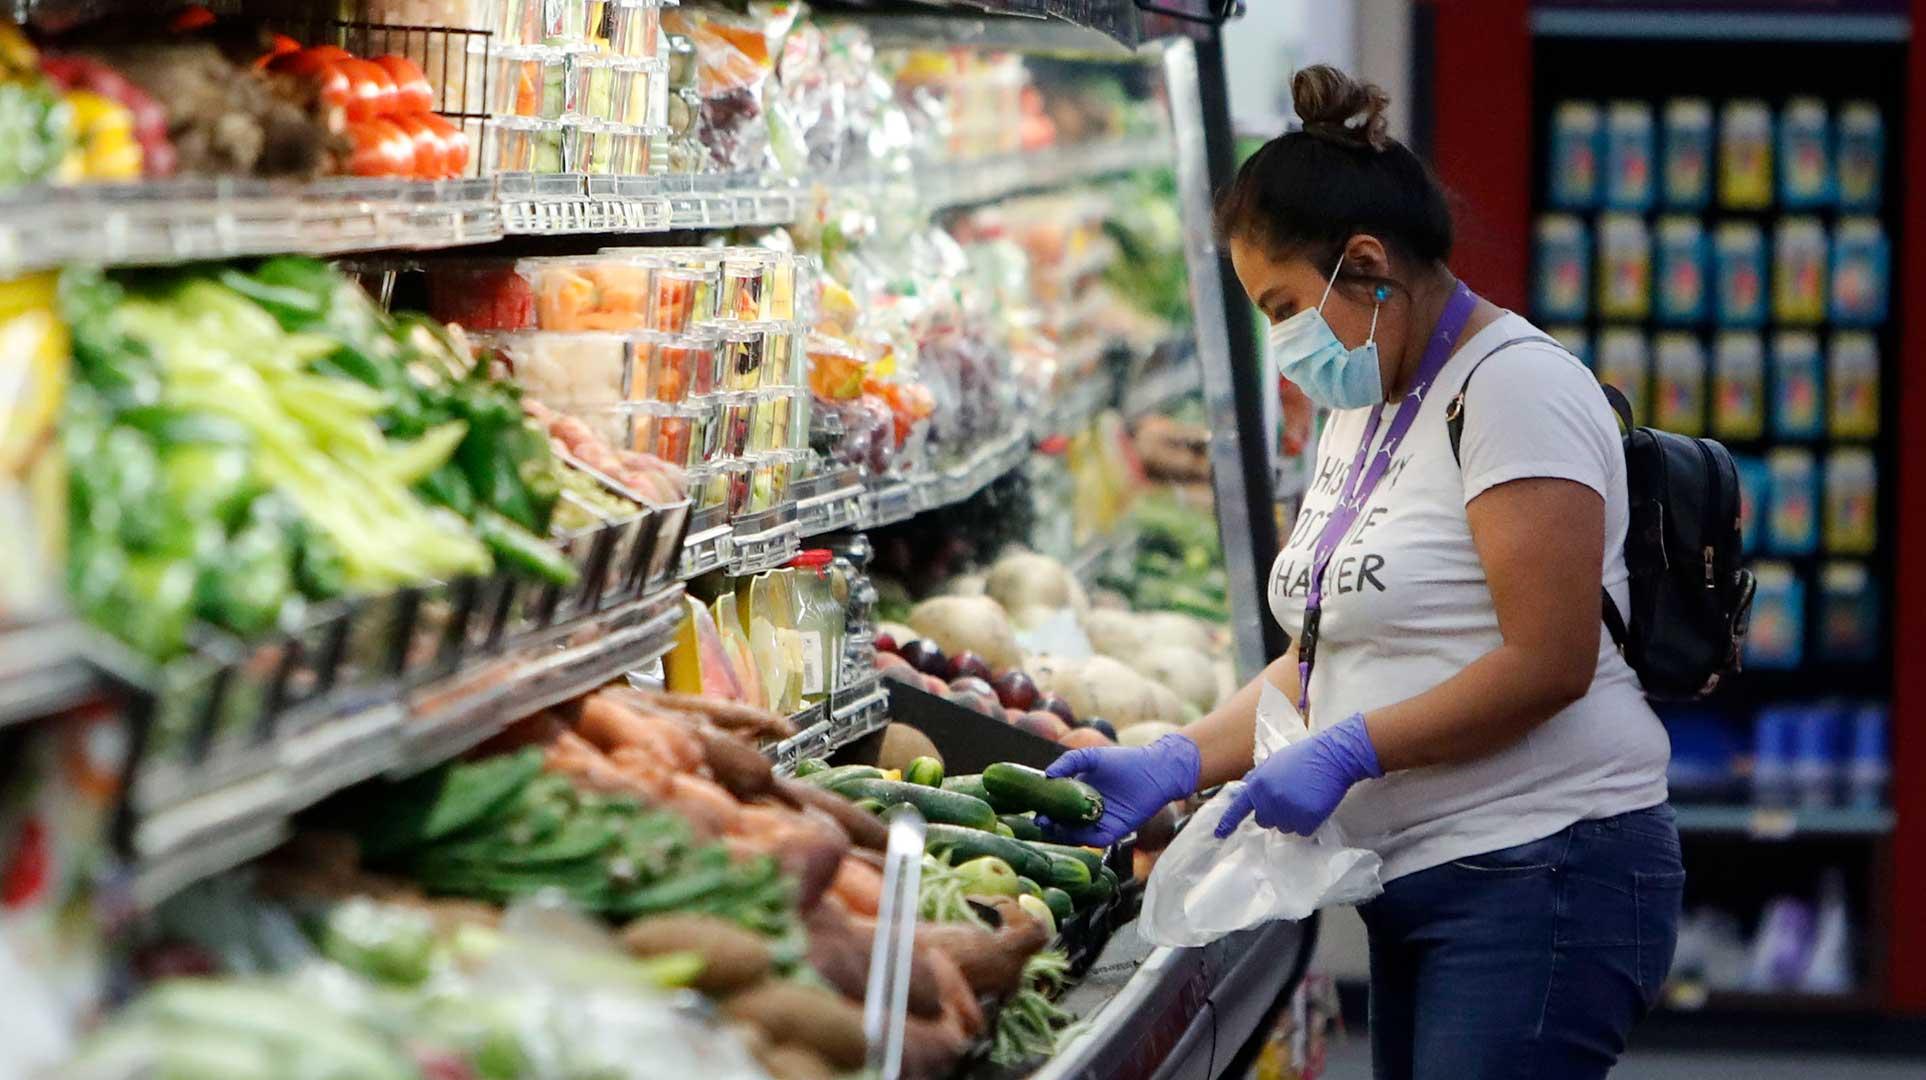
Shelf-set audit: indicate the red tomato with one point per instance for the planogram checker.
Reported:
(279, 45)
(413, 95)
(329, 52)
(371, 91)
(335, 89)
(430, 154)
(381, 149)
(454, 144)
(191, 18)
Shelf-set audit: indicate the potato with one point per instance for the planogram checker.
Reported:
(1117, 634)
(1023, 579)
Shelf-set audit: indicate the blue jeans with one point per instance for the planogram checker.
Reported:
(1532, 962)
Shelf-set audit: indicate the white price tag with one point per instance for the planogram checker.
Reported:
(813, 681)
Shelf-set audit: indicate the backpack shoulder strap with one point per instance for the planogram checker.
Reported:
(1455, 412)
(1455, 428)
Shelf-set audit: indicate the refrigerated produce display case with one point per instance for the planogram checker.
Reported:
(503, 494)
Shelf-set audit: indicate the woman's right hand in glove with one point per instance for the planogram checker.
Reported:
(1135, 782)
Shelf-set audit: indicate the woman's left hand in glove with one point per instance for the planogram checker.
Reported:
(1300, 786)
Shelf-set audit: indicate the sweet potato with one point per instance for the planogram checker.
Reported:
(735, 764)
(959, 1002)
(991, 960)
(791, 1062)
(864, 829)
(710, 809)
(839, 950)
(858, 885)
(808, 1016)
(732, 957)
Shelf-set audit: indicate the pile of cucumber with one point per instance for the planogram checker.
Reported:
(991, 814)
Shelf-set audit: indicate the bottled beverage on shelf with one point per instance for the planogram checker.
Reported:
(1867, 770)
(1817, 765)
(1772, 756)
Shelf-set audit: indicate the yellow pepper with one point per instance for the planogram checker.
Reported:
(104, 147)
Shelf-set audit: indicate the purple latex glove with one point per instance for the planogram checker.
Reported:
(1135, 782)
(1300, 786)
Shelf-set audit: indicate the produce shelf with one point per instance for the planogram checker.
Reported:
(245, 812)
(560, 204)
(830, 503)
(1156, 389)
(185, 220)
(1762, 823)
(1176, 1012)
(47, 666)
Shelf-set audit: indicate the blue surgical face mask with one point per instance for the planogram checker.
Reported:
(1307, 352)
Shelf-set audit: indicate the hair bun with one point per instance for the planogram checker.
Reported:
(1334, 106)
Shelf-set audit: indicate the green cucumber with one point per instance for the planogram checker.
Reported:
(810, 766)
(1101, 888)
(832, 778)
(926, 771)
(1090, 859)
(1021, 826)
(870, 806)
(964, 844)
(1060, 904)
(1015, 789)
(1069, 874)
(1004, 830)
(970, 784)
(1029, 888)
(948, 807)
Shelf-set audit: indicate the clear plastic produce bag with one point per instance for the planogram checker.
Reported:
(1204, 888)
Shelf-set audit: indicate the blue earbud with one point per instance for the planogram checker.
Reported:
(1382, 294)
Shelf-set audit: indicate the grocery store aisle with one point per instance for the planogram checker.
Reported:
(1352, 1061)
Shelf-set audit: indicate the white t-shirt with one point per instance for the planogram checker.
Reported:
(1406, 607)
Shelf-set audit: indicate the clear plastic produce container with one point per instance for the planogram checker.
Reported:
(742, 357)
(600, 148)
(634, 28)
(679, 366)
(738, 421)
(781, 358)
(588, 292)
(529, 80)
(684, 296)
(745, 286)
(566, 370)
(613, 88)
(565, 20)
(521, 144)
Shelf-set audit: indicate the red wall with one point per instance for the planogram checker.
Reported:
(1906, 985)
(1481, 105)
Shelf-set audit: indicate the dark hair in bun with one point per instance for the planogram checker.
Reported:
(1307, 192)
(1335, 106)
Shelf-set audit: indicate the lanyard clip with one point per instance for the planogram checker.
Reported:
(1307, 641)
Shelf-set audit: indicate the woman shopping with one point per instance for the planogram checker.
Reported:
(1472, 722)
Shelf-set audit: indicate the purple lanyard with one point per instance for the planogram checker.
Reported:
(1361, 482)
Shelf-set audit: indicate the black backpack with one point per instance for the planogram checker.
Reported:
(1691, 598)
